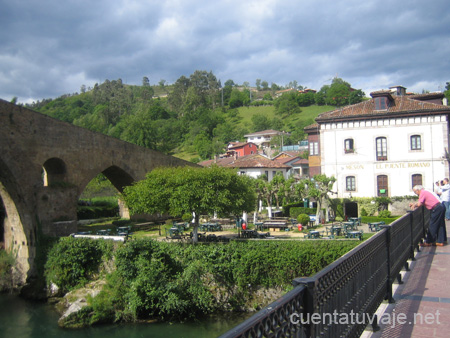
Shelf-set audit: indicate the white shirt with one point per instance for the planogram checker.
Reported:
(445, 196)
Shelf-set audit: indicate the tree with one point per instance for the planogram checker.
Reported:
(356, 96)
(229, 83)
(447, 90)
(278, 182)
(258, 84)
(264, 190)
(260, 122)
(198, 191)
(318, 188)
(287, 104)
(145, 81)
(265, 85)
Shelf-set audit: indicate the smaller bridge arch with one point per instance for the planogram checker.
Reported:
(54, 170)
(118, 177)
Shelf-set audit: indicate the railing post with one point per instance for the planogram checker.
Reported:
(424, 235)
(411, 224)
(308, 303)
(389, 280)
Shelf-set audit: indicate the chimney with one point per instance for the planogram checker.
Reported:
(398, 90)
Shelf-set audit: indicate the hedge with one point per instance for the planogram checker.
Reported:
(295, 211)
(372, 219)
(93, 212)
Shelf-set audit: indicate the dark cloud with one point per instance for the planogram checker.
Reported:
(49, 48)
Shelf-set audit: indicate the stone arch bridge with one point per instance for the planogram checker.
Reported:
(45, 164)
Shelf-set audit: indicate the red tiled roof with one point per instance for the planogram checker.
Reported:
(284, 159)
(289, 153)
(398, 106)
(248, 161)
(301, 161)
(237, 144)
(312, 126)
(255, 161)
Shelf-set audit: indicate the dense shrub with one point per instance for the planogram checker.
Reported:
(384, 214)
(295, 211)
(94, 212)
(303, 219)
(72, 261)
(178, 281)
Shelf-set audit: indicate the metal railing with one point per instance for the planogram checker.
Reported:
(341, 299)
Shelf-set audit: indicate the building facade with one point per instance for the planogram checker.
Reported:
(241, 149)
(252, 165)
(383, 146)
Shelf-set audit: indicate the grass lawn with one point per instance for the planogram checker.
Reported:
(307, 113)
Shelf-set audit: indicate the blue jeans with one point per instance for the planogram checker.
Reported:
(447, 209)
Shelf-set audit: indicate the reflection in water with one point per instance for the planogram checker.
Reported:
(26, 319)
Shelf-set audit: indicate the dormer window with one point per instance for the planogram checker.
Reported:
(381, 103)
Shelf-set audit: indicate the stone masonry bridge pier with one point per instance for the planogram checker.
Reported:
(45, 164)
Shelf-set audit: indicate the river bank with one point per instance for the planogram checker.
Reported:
(145, 279)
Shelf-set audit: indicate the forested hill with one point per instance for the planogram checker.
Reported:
(196, 117)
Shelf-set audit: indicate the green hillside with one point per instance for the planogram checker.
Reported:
(194, 118)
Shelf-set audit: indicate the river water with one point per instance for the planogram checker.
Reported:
(20, 318)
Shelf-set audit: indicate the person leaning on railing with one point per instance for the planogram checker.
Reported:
(436, 230)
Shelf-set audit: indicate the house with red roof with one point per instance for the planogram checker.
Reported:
(241, 149)
(299, 166)
(254, 165)
(383, 146)
(262, 138)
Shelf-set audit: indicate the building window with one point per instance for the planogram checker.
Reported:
(348, 146)
(381, 149)
(350, 183)
(416, 142)
(382, 185)
(416, 180)
(381, 103)
(313, 148)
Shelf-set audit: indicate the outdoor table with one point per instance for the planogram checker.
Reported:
(248, 233)
(259, 225)
(336, 230)
(354, 234)
(350, 225)
(314, 234)
(355, 220)
(122, 229)
(375, 226)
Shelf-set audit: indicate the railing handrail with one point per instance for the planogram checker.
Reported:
(358, 281)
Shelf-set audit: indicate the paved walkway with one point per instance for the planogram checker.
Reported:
(422, 302)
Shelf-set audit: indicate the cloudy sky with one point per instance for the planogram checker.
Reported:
(52, 47)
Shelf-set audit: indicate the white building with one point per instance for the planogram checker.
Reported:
(383, 146)
(252, 165)
(263, 138)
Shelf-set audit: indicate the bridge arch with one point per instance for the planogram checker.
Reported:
(54, 170)
(16, 225)
(118, 177)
